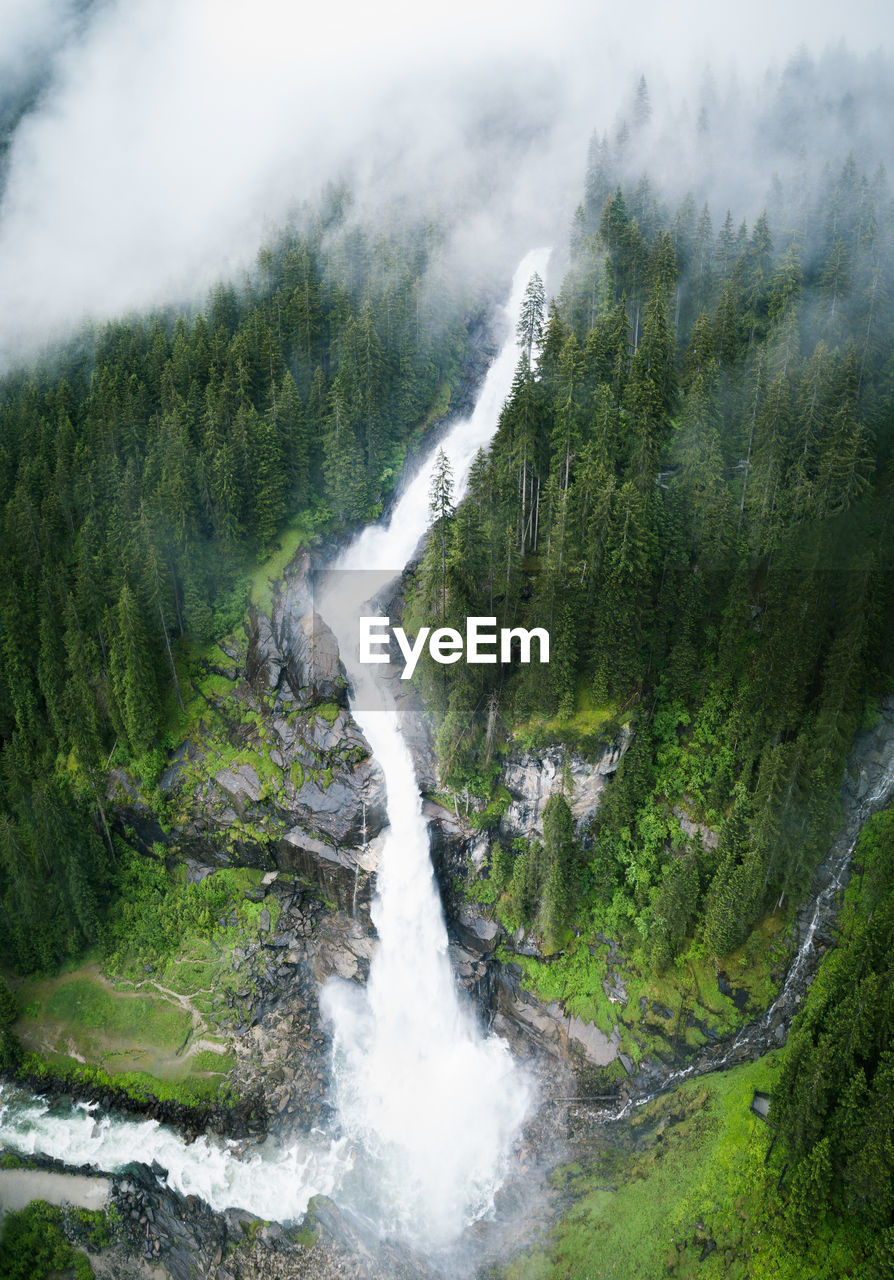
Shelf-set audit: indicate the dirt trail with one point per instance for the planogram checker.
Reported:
(118, 1052)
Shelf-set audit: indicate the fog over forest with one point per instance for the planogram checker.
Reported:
(252, 257)
(148, 147)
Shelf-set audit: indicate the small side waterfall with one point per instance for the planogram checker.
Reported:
(768, 1031)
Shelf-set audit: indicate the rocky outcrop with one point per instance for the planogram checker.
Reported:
(275, 773)
(532, 777)
(282, 1046)
(524, 1020)
(295, 650)
(162, 1228)
(693, 829)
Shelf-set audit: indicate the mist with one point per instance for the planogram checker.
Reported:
(153, 145)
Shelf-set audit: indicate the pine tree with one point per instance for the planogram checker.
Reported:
(530, 322)
(343, 466)
(133, 673)
(440, 506)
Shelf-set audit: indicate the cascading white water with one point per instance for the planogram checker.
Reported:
(272, 1181)
(429, 1104)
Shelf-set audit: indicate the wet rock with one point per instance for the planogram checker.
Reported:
(295, 645)
(614, 988)
(327, 736)
(265, 663)
(195, 871)
(240, 782)
(599, 1048)
(342, 947)
(527, 1021)
(474, 929)
(342, 875)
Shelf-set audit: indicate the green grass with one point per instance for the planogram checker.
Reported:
(583, 729)
(81, 1016)
(142, 1086)
(289, 540)
(682, 1178)
(698, 1171)
(85, 1003)
(123, 1031)
(218, 1063)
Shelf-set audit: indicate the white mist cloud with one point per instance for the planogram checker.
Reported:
(29, 32)
(172, 133)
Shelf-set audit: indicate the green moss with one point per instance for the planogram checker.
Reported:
(689, 989)
(215, 686)
(574, 978)
(296, 774)
(251, 912)
(304, 1236)
(697, 1169)
(584, 729)
(479, 890)
(271, 569)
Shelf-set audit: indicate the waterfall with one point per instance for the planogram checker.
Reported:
(429, 1103)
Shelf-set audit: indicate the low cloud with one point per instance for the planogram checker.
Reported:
(169, 136)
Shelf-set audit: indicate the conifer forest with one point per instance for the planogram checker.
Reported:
(663, 861)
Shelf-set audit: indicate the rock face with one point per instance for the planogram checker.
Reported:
(529, 1024)
(275, 772)
(707, 837)
(525, 1020)
(531, 779)
(295, 648)
(282, 1049)
(160, 1228)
